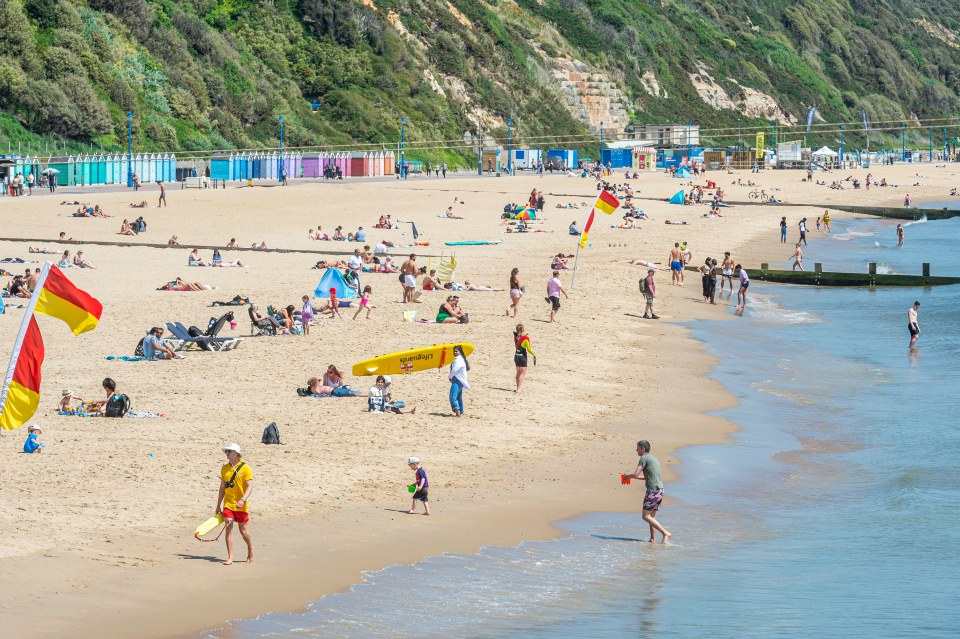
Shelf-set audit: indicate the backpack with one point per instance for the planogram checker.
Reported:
(117, 406)
(643, 285)
(138, 351)
(271, 434)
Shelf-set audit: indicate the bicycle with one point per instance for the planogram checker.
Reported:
(759, 194)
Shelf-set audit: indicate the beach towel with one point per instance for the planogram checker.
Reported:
(126, 358)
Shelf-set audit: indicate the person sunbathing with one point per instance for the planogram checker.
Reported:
(79, 262)
(338, 234)
(627, 223)
(467, 286)
(41, 249)
(195, 258)
(219, 261)
(97, 212)
(181, 285)
(448, 312)
(142, 204)
(233, 243)
(558, 263)
(65, 261)
(430, 282)
(173, 241)
(81, 212)
(317, 387)
(258, 318)
(260, 245)
(387, 266)
(126, 228)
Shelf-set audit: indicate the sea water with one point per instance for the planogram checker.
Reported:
(832, 512)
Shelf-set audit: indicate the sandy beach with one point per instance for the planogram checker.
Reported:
(99, 527)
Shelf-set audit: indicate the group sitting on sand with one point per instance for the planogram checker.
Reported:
(87, 210)
(78, 261)
(216, 260)
(330, 385)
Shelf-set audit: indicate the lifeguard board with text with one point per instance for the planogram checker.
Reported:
(410, 361)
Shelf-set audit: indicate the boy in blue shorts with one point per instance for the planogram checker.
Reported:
(422, 487)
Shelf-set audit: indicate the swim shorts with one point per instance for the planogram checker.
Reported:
(555, 301)
(676, 266)
(913, 330)
(727, 272)
(409, 281)
(421, 495)
(237, 515)
(745, 285)
(652, 499)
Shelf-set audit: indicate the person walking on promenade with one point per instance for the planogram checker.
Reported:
(648, 469)
(236, 486)
(913, 324)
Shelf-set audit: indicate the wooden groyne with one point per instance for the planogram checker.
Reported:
(889, 212)
(817, 277)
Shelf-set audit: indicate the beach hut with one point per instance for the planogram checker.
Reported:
(616, 158)
(342, 160)
(357, 164)
(312, 164)
(491, 160)
(644, 158)
(221, 167)
(388, 161)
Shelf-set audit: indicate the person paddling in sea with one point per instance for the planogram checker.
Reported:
(899, 234)
(648, 469)
(913, 324)
(797, 258)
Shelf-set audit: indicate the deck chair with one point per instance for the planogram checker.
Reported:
(445, 269)
(215, 325)
(261, 325)
(205, 343)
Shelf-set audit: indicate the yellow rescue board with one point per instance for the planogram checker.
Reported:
(415, 359)
(208, 525)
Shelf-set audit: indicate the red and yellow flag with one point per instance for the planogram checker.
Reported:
(59, 298)
(22, 394)
(607, 203)
(55, 296)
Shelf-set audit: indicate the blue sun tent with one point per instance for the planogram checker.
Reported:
(677, 198)
(333, 278)
(682, 173)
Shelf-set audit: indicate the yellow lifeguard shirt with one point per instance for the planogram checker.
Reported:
(232, 495)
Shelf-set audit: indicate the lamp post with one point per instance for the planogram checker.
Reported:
(509, 155)
(842, 140)
(601, 142)
(129, 149)
(739, 141)
(930, 158)
(903, 141)
(945, 154)
(403, 136)
(280, 171)
(773, 136)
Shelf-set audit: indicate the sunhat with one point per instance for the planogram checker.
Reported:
(34, 428)
(234, 447)
(386, 379)
(413, 460)
(67, 391)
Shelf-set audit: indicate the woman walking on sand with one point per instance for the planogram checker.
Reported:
(521, 342)
(516, 291)
(458, 380)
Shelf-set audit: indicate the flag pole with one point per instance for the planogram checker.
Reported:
(573, 280)
(24, 325)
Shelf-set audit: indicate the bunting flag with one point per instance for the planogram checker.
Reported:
(59, 298)
(810, 115)
(21, 393)
(55, 296)
(863, 116)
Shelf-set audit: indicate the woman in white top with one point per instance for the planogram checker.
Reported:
(458, 380)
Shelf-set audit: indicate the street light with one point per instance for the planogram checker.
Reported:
(280, 172)
(129, 149)
(903, 141)
(403, 134)
(601, 142)
(509, 155)
(841, 144)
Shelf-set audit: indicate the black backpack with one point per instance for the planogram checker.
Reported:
(117, 406)
(138, 351)
(271, 434)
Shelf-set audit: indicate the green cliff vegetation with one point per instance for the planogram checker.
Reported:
(202, 75)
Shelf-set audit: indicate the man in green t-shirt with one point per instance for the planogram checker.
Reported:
(649, 471)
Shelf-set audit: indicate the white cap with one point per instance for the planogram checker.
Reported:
(387, 380)
(234, 447)
(36, 427)
(413, 460)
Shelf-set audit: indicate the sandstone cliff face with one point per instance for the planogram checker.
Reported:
(592, 97)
